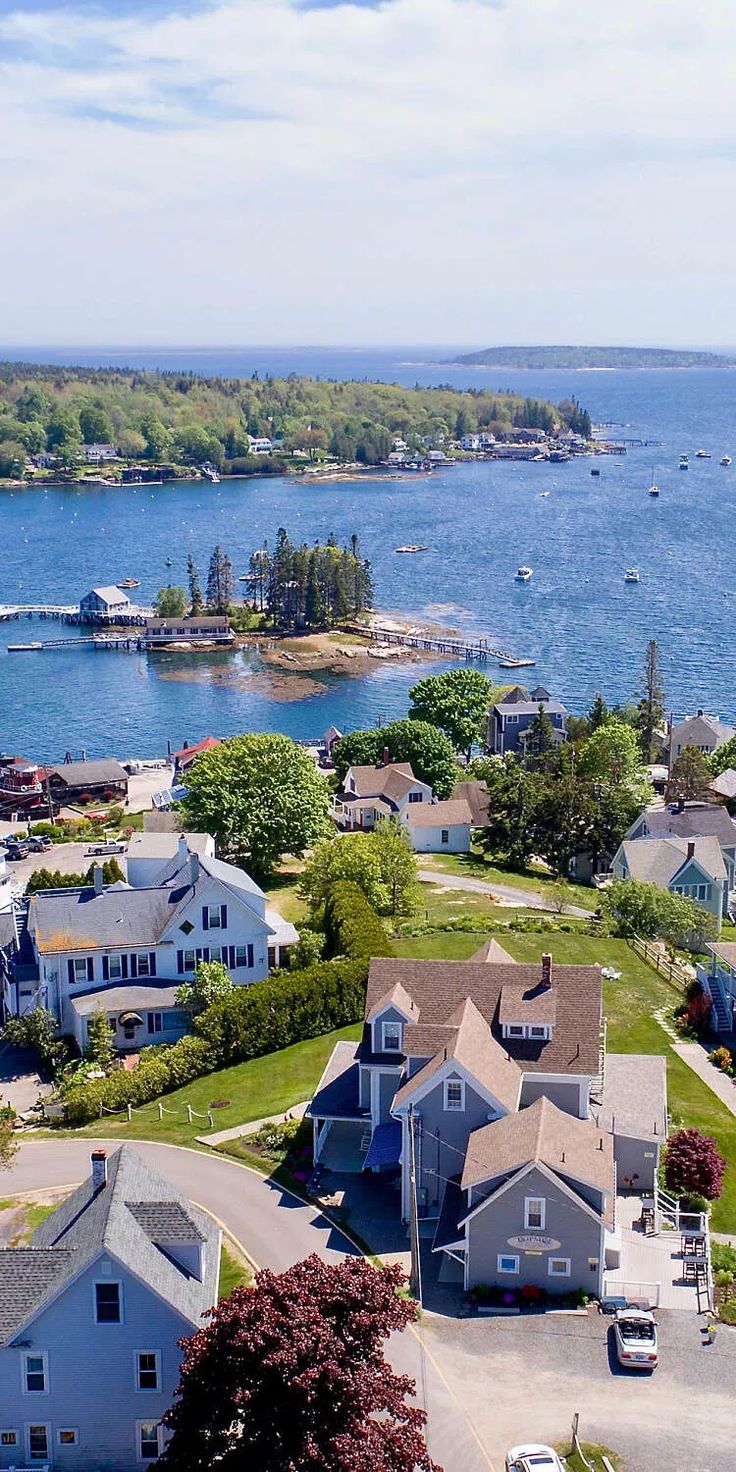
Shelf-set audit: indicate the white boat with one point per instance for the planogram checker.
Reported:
(543, 494)
(654, 488)
(632, 575)
(725, 459)
(702, 455)
(684, 463)
(523, 574)
(412, 547)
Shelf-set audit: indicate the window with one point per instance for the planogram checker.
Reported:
(69, 1436)
(148, 1441)
(8, 1438)
(190, 960)
(154, 1022)
(416, 796)
(507, 1264)
(593, 1263)
(243, 955)
(80, 968)
(107, 1303)
(35, 1374)
(454, 1094)
(215, 919)
(559, 1267)
(445, 835)
(146, 1370)
(515, 1030)
(391, 1037)
(144, 963)
(534, 1211)
(38, 1443)
(114, 968)
(537, 1032)
(216, 954)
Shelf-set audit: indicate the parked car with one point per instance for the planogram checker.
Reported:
(112, 846)
(533, 1458)
(15, 851)
(37, 843)
(636, 1339)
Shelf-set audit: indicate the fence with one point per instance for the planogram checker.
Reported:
(191, 1113)
(676, 975)
(632, 1291)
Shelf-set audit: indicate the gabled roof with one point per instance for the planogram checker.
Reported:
(475, 794)
(79, 919)
(697, 820)
(111, 594)
(438, 988)
(725, 785)
(701, 729)
(449, 814)
(78, 774)
(132, 1217)
(659, 860)
(528, 1004)
(471, 1045)
(491, 951)
(188, 753)
(396, 996)
(392, 780)
(544, 1135)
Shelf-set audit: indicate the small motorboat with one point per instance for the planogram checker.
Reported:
(725, 460)
(411, 547)
(632, 575)
(129, 583)
(684, 463)
(653, 489)
(595, 470)
(702, 455)
(542, 495)
(523, 574)
(169, 562)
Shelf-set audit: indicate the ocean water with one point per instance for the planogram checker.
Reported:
(585, 628)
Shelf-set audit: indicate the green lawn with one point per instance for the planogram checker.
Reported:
(282, 893)
(254, 1090)
(476, 865)
(32, 1217)
(233, 1272)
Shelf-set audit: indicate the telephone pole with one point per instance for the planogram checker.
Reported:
(415, 1273)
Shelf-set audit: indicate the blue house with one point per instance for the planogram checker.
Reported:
(91, 1314)
(510, 719)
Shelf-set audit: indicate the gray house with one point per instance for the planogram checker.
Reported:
(104, 603)
(705, 732)
(691, 867)
(510, 719)
(90, 1318)
(691, 820)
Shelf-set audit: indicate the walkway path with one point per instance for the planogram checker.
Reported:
(274, 1229)
(220, 1137)
(505, 892)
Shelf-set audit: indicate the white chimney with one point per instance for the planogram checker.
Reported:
(193, 869)
(99, 1170)
(183, 850)
(98, 878)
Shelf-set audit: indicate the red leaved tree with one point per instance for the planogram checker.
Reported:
(290, 1376)
(693, 1165)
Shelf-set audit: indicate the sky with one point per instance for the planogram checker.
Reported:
(383, 171)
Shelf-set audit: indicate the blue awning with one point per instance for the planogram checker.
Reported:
(385, 1147)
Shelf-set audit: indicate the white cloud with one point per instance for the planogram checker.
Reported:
(416, 170)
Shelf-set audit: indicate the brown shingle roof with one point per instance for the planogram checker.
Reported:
(471, 1045)
(392, 780)
(492, 951)
(438, 814)
(439, 987)
(533, 1004)
(574, 1148)
(475, 794)
(395, 995)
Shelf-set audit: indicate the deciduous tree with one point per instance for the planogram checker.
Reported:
(425, 747)
(642, 909)
(456, 701)
(171, 602)
(693, 1165)
(211, 982)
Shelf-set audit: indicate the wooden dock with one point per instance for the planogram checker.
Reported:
(95, 641)
(467, 649)
(134, 617)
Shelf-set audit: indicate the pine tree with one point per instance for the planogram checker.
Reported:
(195, 591)
(100, 1041)
(220, 581)
(598, 713)
(314, 608)
(651, 706)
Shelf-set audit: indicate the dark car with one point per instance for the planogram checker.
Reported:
(16, 851)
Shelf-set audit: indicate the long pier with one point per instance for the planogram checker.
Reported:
(134, 617)
(468, 649)
(97, 641)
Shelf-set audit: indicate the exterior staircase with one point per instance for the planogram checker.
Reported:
(596, 1086)
(722, 1020)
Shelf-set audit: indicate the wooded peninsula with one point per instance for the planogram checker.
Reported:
(51, 417)
(572, 358)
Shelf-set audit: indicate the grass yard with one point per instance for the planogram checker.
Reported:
(536, 879)
(282, 894)
(254, 1090)
(29, 1216)
(233, 1272)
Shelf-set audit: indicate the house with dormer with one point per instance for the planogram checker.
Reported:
(691, 820)
(480, 1085)
(383, 790)
(92, 1314)
(691, 867)
(509, 719)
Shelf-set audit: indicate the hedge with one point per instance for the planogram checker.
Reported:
(253, 1020)
(352, 927)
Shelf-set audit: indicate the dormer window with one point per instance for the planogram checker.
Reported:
(391, 1036)
(514, 1030)
(539, 1032)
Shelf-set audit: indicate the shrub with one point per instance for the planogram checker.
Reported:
(721, 1057)
(693, 1165)
(723, 1258)
(352, 927)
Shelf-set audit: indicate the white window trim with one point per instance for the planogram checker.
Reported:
(553, 1273)
(114, 975)
(108, 1323)
(214, 924)
(70, 1431)
(147, 1421)
(507, 1257)
(147, 1389)
(47, 1427)
(535, 1201)
(453, 1108)
(384, 1048)
(34, 1354)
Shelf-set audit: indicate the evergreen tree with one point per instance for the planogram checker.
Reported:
(196, 604)
(220, 581)
(314, 608)
(540, 738)
(650, 708)
(100, 1041)
(598, 713)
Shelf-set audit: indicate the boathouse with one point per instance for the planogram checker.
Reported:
(104, 602)
(202, 629)
(99, 781)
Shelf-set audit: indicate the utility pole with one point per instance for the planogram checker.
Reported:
(415, 1272)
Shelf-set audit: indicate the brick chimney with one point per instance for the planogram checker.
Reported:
(99, 1170)
(98, 878)
(385, 759)
(691, 848)
(546, 969)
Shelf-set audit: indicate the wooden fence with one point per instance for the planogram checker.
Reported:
(676, 975)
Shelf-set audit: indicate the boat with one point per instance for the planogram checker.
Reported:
(169, 563)
(515, 664)
(702, 455)
(412, 547)
(542, 494)
(595, 470)
(653, 487)
(129, 583)
(725, 460)
(209, 473)
(684, 465)
(632, 575)
(523, 574)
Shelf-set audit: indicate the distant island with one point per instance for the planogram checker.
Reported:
(591, 357)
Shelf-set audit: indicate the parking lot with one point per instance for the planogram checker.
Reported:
(521, 1379)
(70, 858)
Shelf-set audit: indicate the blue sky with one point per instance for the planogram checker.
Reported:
(374, 171)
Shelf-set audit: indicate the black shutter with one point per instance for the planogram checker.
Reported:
(205, 918)
(232, 957)
(205, 953)
(70, 971)
(180, 961)
(105, 969)
(250, 955)
(90, 968)
(198, 954)
(134, 965)
(223, 916)
(124, 967)
(152, 963)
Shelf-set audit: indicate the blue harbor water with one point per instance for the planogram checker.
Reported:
(585, 628)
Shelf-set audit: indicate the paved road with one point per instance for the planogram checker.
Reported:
(276, 1230)
(498, 891)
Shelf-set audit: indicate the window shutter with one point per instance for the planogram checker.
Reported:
(205, 953)
(198, 954)
(105, 969)
(70, 971)
(250, 955)
(180, 961)
(223, 916)
(231, 957)
(124, 967)
(90, 968)
(134, 965)
(205, 918)
(152, 962)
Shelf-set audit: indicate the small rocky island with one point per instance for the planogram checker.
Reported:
(576, 358)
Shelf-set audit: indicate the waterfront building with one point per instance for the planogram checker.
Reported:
(705, 732)
(102, 781)
(200, 629)
(183, 759)
(96, 454)
(104, 602)
(92, 1314)
(509, 719)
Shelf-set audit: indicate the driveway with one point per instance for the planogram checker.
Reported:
(69, 858)
(505, 892)
(20, 1081)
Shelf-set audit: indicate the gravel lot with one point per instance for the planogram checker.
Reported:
(70, 858)
(521, 1379)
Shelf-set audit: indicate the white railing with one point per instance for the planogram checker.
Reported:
(624, 1288)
